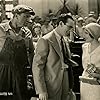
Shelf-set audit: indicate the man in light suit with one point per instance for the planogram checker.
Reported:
(53, 77)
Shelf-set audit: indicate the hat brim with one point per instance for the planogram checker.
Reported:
(29, 12)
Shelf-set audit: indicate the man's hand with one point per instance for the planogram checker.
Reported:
(95, 75)
(43, 96)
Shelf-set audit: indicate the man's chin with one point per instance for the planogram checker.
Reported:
(87, 41)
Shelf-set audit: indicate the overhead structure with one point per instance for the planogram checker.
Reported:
(63, 9)
(6, 7)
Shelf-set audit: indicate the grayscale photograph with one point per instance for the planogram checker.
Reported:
(49, 49)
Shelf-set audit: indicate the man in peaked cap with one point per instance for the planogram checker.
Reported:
(23, 13)
(13, 54)
(23, 9)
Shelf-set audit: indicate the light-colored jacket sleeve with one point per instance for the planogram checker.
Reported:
(38, 67)
(2, 38)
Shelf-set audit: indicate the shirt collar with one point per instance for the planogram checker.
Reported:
(7, 26)
(57, 35)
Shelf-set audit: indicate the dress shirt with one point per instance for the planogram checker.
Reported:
(58, 37)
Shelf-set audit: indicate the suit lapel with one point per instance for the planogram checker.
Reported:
(54, 43)
(67, 47)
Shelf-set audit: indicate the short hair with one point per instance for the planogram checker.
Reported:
(64, 18)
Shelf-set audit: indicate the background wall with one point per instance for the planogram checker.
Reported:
(80, 7)
(42, 6)
(36, 4)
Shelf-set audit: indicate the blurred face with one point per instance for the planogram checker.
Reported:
(80, 23)
(22, 19)
(66, 28)
(46, 23)
(86, 36)
(37, 30)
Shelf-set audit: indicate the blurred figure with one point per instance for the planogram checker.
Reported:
(79, 26)
(46, 27)
(37, 19)
(38, 33)
(54, 22)
(5, 20)
(13, 53)
(90, 79)
(91, 18)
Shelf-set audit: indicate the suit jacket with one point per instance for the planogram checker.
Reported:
(47, 66)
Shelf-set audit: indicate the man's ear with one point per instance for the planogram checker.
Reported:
(61, 23)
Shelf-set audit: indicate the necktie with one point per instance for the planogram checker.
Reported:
(64, 50)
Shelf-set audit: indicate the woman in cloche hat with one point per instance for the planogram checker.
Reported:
(90, 79)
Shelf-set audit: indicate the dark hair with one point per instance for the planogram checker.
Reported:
(63, 18)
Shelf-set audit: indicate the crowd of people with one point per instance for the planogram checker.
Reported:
(43, 45)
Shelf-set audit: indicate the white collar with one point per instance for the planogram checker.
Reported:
(57, 35)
